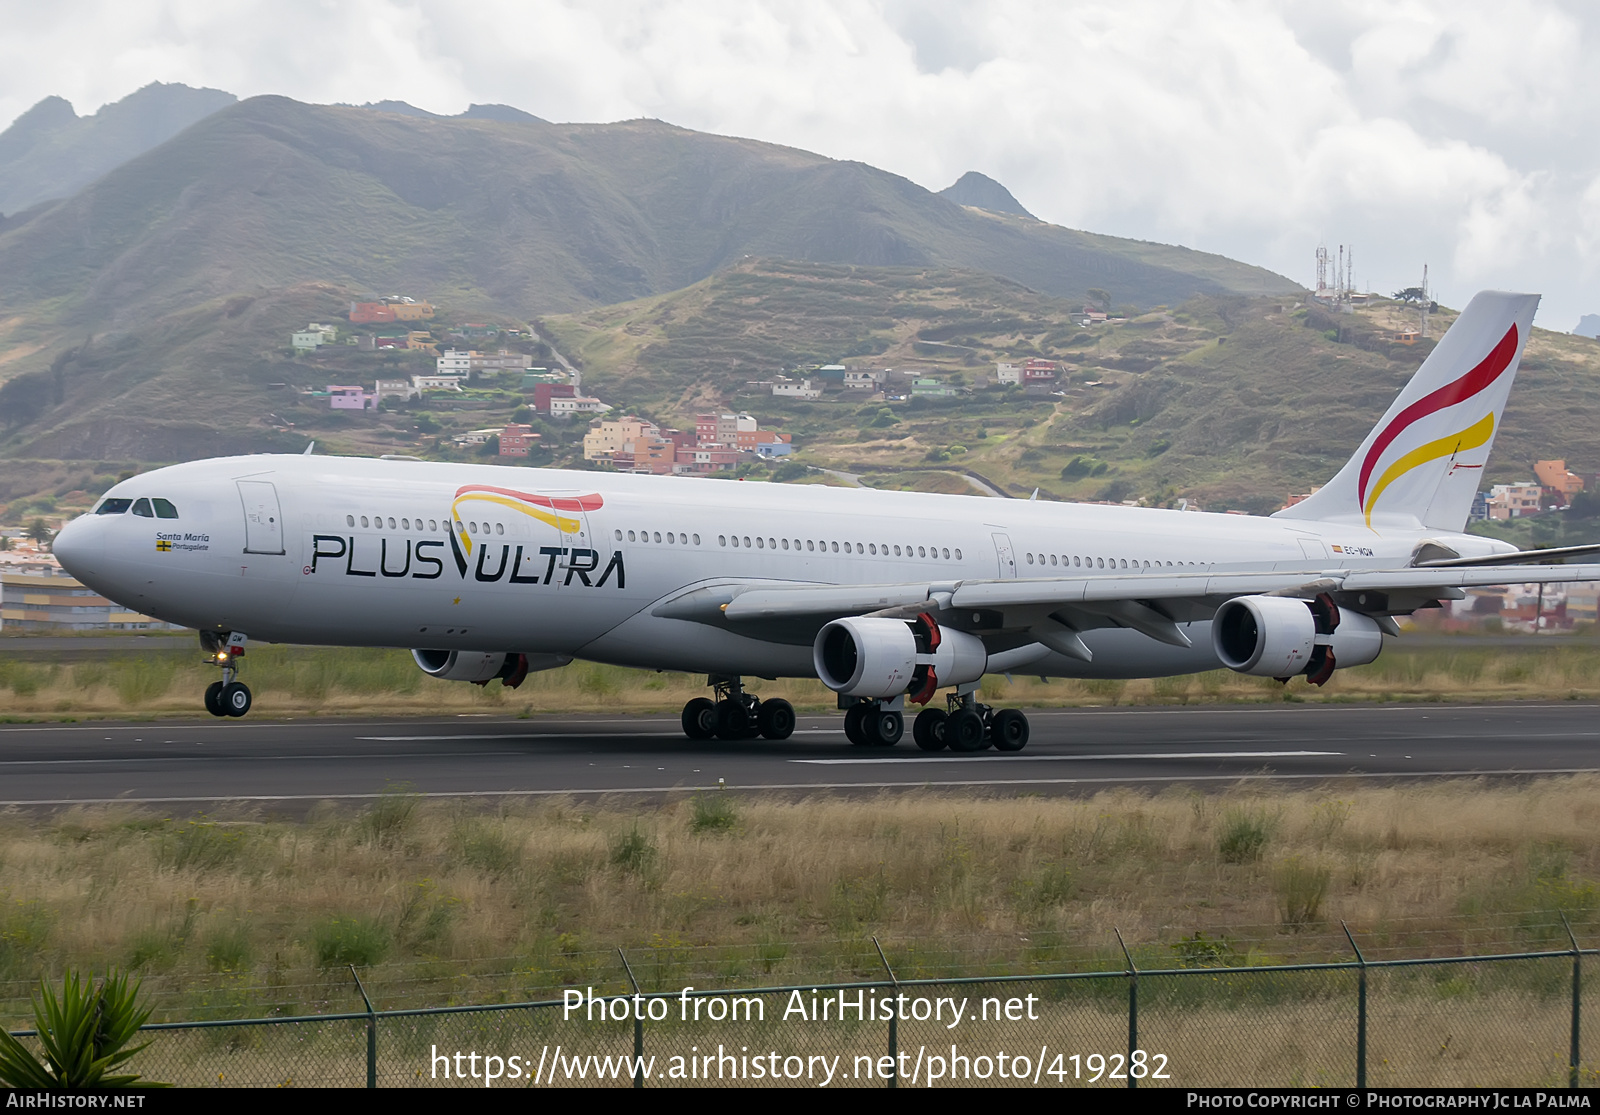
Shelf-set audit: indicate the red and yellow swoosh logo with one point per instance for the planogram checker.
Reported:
(1491, 368)
(547, 509)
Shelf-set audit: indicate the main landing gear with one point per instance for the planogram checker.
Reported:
(230, 696)
(736, 714)
(965, 725)
(871, 723)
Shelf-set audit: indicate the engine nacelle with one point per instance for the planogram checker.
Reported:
(482, 666)
(1281, 636)
(881, 658)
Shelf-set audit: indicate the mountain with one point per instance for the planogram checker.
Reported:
(982, 192)
(504, 113)
(51, 152)
(144, 312)
(1588, 326)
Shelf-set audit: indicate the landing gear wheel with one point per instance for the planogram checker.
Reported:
(964, 731)
(700, 719)
(733, 722)
(853, 718)
(928, 729)
(775, 719)
(214, 699)
(883, 728)
(235, 698)
(1009, 730)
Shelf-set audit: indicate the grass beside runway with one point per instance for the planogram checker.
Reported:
(446, 902)
(301, 681)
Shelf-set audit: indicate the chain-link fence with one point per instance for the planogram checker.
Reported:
(1513, 1019)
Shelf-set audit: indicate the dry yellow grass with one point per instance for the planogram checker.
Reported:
(301, 681)
(448, 903)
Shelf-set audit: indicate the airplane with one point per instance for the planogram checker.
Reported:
(488, 573)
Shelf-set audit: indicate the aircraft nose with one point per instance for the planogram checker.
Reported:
(79, 547)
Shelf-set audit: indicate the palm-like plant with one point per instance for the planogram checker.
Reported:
(83, 1034)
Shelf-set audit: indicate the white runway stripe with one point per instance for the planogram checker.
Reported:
(1004, 758)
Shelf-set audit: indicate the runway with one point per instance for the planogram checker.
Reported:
(288, 765)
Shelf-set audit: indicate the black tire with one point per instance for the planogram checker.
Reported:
(885, 728)
(853, 717)
(236, 698)
(213, 699)
(775, 719)
(1009, 730)
(964, 731)
(700, 719)
(927, 730)
(733, 722)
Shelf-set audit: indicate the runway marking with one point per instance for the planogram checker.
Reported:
(979, 758)
(773, 786)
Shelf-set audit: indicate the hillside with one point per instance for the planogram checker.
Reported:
(1236, 402)
(180, 266)
(51, 152)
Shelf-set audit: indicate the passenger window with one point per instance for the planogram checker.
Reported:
(405, 524)
(958, 555)
(836, 547)
(761, 543)
(658, 536)
(433, 524)
(947, 553)
(141, 508)
(499, 528)
(697, 540)
(391, 522)
(630, 536)
(722, 539)
(349, 520)
(363, 520)
(811, 545)
(164, 509)
(113, 506)
(785, 543)
(747, 541)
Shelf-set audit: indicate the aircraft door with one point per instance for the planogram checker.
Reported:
(1005, 555)
(263, 520)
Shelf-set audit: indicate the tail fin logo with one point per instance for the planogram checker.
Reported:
(1479, 379)
(547, 509)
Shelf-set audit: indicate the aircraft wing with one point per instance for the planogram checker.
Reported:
(1051, 610)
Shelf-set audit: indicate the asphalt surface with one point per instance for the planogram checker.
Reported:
(288, 765)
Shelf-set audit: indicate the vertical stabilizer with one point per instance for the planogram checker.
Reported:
(1422, 464)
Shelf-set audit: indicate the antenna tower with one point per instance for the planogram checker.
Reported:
(1322, 270)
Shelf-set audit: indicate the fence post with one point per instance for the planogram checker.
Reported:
(1361, 1009)
(1577, 991)
(638, 1025)
(1133, 1006)
(372, 1032)
(894, 1019)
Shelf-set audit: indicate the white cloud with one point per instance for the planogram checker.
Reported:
(1453, 133)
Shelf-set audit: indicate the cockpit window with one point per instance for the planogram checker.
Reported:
(141, 507)
(164, 509)
(113, 506)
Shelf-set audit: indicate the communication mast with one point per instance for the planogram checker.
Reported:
(1322, 270)
(1427, 300)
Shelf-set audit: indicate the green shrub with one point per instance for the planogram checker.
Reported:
(713, 813)
(361, 942)
(633, 851)
(390, 814)
(1301, 888)
(228, 949)
(1244, 834)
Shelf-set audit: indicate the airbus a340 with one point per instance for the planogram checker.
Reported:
(887, 597)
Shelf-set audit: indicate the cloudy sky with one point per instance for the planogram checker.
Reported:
(1460, 134)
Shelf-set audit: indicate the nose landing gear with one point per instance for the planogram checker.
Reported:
(735, 714)
(230, 696)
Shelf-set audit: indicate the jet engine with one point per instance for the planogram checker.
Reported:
(1281, 636)
(481, 667)
(879, 658)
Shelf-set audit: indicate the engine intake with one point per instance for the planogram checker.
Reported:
(481, 667)
(881, 658)
(1281, 636)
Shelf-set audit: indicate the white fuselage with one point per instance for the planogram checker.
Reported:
(360, 552)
